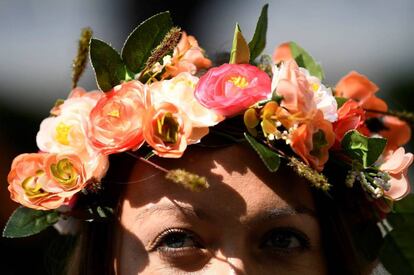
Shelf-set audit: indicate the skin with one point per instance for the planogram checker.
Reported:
(249, 221)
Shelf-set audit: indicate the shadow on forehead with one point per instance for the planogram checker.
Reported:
(149, 186)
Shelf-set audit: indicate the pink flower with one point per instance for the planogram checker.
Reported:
(66, 131)
(187, 57)
(167, 130)
(117, 119)
(291, 83)
(396, 165)
(45, 181)
(232, 88)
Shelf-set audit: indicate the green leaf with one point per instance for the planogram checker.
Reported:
(107, 64)
(340, 101)
(258, 42)
(26, 222)
(306, 61)
(366, 150)
(397, 253)
(240, 52)
(144, 39)
(270, 158)
(318, 141)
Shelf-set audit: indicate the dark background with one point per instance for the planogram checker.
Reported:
(39, 41)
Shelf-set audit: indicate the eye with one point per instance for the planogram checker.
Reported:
(175, 239)
(285, 240)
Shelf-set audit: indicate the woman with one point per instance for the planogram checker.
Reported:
(249, 221)
(243, 144)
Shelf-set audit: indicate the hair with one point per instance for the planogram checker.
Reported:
(337, 212)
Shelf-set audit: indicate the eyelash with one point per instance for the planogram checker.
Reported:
(158, 242)
(282, 232)
(302, 239)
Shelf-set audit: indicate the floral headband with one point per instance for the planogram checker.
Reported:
(161, 94)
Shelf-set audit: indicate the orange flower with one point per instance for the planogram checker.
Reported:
(396, 131)
(312, 140)
(45, 181)
(167, 130)
(361, 89)
(187, 57)
(282, 53)
(350, 117)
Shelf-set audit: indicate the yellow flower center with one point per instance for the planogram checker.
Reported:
(167, 128)
(32, 188)
(114, 113)
(64, 173)
(239, 81)
(62, 133)
(315, 87)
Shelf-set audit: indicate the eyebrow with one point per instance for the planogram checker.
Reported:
(195, 213)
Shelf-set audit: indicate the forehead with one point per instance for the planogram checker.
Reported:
(240, 185)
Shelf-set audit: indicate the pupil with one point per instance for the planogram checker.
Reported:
(280, 240)
(175, 240)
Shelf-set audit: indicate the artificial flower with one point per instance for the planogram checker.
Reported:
(362, 90)
(396, 165)
(350, 117)
(231, 88)
(312, 140)
(187, 57)
(323, 97)
(273, 117)
(167, 129)
(117, 119)
(396, 131)
(282, 53)
(180, 91)
(66, 131)
(45, 181)
(291, 84)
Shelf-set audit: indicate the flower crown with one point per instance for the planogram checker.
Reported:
(161, 94)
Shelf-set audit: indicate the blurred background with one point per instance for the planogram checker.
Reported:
(39, 42)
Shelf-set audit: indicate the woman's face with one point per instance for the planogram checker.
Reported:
(249, 221)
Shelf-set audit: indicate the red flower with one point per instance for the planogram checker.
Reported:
(350, 117)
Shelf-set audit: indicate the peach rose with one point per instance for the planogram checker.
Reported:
(45, 181)
(231, 88)
(291, 83)
(312, 140)
(350, 117)
(282, 53)
(361, 89)
(167, 130)
(396, 165)
(66, 132)
(187, 57)
(117, 119)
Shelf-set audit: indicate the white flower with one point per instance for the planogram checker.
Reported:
(180, 91)
(66, 133)
(323, 97)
